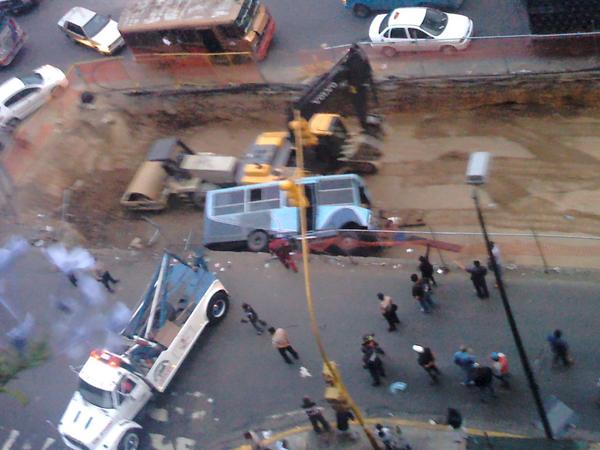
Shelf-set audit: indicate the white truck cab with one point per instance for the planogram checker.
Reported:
(180, 302)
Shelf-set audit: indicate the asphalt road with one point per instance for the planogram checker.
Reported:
(308, 24)
(234, 379)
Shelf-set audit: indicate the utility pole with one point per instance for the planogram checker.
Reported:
(296, 194)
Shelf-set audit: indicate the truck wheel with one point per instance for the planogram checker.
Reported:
(361, 11)
(131, 440)
(217, 308)
(258, 241)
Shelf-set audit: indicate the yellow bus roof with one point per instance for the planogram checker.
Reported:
(156, 15)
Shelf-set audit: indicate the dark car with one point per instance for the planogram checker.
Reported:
(17, 6)
(364, 8)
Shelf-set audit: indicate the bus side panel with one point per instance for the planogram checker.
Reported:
(220, 229)
(335, 217)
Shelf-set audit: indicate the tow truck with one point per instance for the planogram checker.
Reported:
(114, 387)
(331, 148)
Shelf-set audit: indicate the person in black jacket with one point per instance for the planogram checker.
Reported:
(427, 361)
(371, 360)
(483, 378)
(478, 273)
(426, 269)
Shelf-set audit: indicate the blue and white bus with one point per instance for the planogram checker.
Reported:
(251, 215)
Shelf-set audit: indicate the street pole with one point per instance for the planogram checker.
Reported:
(309, 298)
(513, 325)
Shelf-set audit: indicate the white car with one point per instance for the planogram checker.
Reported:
(21, 96)
(420, 29)
(94, 30)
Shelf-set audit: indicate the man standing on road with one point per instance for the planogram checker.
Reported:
(371, 360)
(500, 368)
(315, 415)
(427, 361)
(253, 318)
(560, 349)
(426, 269)
(281, 342)
(465, 360)
(388, 310)
(483, 378)
(478, 273)
(419, 294)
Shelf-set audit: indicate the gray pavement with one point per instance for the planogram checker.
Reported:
(234, 380)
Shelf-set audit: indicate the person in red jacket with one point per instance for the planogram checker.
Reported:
(282, 248)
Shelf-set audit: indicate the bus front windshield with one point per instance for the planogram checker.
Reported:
(96, 396)
(247, 12)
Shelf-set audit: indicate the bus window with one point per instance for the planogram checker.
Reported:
(247, 13)
(231, 31)
(335, 192)
(228, 203)
(262, 199)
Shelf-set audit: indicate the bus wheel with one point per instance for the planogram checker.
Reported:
(258, 241)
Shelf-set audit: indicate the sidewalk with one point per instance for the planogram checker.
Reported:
(419, 435)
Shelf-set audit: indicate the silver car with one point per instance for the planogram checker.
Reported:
(94, 30)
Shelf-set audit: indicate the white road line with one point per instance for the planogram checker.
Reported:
(48, 443)
(26, 446)
(12, 437)
(182, 443)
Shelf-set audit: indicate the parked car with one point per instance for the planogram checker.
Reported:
(94, 30)
(364, 8)
(420, 29)
(17, 6)
(21, 96)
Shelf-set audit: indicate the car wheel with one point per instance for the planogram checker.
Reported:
(389, 52)
(258, 241)
(218, 307)
(448, 50)
(13, 123)
(131, 440)
(361, 11)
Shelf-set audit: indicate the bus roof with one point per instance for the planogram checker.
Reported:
(153, 15)
(300, 181)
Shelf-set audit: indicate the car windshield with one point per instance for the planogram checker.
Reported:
(384, 23)
(95, 25)
(95, 396)
(247, 11)
(31, 79)
(434, 22)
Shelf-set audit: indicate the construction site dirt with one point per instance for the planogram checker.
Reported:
(544, 171)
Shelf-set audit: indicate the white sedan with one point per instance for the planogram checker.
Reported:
(21, 96)
(94, 30)
(420, 29)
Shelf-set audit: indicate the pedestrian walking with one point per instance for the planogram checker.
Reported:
(254, 439)
(427, 361)
(483, 378)
(371, 360)
(282, 248)
(281, 342)
(465, 360)
(426, 268)
(388, 310)
(500, 368)
(104, 277)
(418, 293)
(389, 439)
(315, 415)
(560, 349)
(478, 273)
(343, 416)
(253, 318)
(455, 421)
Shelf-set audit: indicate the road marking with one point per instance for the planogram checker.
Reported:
(179, 410)
(159, 414)
(12, 437)
(48, 443)
(182, 443)
(26, 446)
(198, 415)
